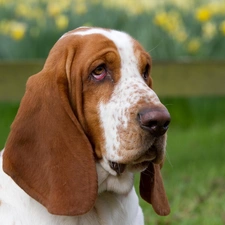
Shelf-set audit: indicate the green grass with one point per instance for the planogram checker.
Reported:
(194, 176)
(194, 170)
(7, 113)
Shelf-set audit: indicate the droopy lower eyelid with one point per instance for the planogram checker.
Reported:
(99, 73)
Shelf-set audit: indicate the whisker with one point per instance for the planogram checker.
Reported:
(155, 46)
(168, 159)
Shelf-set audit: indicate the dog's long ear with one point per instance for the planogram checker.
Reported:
(47, 152)
(152, 189)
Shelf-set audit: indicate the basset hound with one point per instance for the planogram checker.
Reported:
(87, 122)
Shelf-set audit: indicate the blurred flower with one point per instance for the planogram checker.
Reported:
(37, 14)
(29, 11)
(4, 27)
(54, 9)
(209, 30)
(194, 45)
(61, 22)
(17, 30)
(81, 8)
(4, 2)
(185, 5)
(132, 6)
(160, 18)
(222, 27)
(180, 36)
(172, 23)
(65, 4)
(217, 7)
(136, 8)
(22, 9)
(203, 14)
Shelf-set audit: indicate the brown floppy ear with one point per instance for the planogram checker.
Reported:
(152, 189)
(47, 153)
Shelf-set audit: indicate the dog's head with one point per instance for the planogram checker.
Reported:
(93, 101)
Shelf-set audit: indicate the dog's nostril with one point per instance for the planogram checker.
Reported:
(166, 125)
(152, 123)
(156, 121)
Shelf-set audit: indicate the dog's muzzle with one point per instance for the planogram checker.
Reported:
(155, 121)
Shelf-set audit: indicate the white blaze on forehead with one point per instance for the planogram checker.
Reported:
(131, 88)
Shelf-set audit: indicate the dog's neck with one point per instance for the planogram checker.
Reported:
(120, 184)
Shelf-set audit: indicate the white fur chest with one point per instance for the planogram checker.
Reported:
(18, 208)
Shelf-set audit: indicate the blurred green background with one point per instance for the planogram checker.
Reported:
(186, 40)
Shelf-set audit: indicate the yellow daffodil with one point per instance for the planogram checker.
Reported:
(180, 36)
(81, 8)
(132, 6)
(209, 30)
(160, 18)
(203, 14)
(185, 5)
(5, 2)
(22, 10)
(194, 46)
(54, 9)
(216, 7)
(17, 30)
(61, 22)
(222, 27)
(171, 22)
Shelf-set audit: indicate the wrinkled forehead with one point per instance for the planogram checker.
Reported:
(128, 48)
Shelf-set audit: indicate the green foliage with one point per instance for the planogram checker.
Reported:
(195, 111)
(194, 169)
(194, 174)
(168, 29)
(7, 113)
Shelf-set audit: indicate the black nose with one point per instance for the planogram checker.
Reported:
(154, 120)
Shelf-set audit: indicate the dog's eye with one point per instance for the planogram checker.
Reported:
(99, 73)
(145, 74)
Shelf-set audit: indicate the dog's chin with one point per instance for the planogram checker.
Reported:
(119, 168)
(139, 164)
(138, 167)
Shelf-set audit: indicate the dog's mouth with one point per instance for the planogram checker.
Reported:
(139, 164)
(117, 167)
